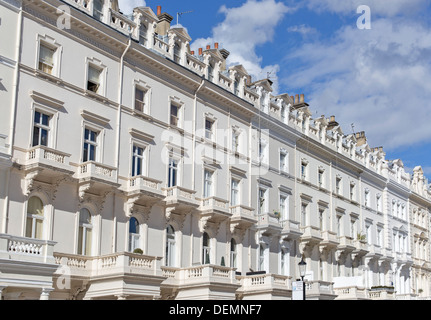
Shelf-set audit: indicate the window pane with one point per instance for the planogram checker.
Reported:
(45, 119)
(46, 55)
(85, 155)
(138, 166)
(37, 117)
(35, 206)
(84, 216)
(133, 225)
(35, 136)
(88, 242)
(29, 228)
(44, 137)
(92, 153)
(94, 75)
(174, 110)
(39, 228)
(80, 239)
(139, 94)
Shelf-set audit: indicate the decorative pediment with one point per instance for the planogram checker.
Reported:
(46, 100)
(239, 69)
(180, 32)
(87, 115)
(266, 84)
(147, 12)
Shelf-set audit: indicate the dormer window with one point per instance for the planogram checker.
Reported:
(177, 53)
(143, 30)
(236, 86)
(98, 9)
(210, 72)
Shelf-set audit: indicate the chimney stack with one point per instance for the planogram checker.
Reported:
(361, 138)
(216, 45)
(200, 51)
(332, 123)
(208, 47)
(164, 23)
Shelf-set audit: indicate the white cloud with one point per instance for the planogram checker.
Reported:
(243, 30)
(302, 29)
(127, 6)
(380, 79)
(379, 7)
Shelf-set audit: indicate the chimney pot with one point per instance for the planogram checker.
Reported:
(296, 98)
(216, 45)
(159, 10)
(332, 118)
(200, 51)
(192, 53)
(302, 98)
(208, 47)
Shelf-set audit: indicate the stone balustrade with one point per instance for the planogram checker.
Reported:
(26, 249)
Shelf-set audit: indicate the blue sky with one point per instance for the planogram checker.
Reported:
(377, 79)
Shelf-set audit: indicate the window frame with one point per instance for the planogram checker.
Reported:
(236, 191)
(95, 144)
(52, 44)
(82, 244)
(35, 218)
(134, 237)
(96, 65)
(146, 90)
(177, 103)
(205, 192)
(42, 128)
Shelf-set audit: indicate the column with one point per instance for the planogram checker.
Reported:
(45, 293)
(1, 291)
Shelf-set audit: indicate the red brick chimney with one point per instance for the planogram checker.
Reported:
(216, 45)
(200, 51)
(208, 47)
(159, 10)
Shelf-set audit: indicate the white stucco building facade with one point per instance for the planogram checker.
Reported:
(134, 168)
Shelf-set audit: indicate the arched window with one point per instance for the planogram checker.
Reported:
(170, 246)
(233, 253)
(133, 234)
(34, 227)
(85, 232)
(206, 250)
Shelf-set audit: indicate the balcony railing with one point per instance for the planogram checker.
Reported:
(47, 156)
(26, 249)
(91, 169)
(84, 5)
(122, 23)
(265, 281)
(142, 182)
(200, 274)
(122, 262)
(351, 293)
(318, 288)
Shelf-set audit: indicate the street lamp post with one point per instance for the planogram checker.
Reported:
(302, 266)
